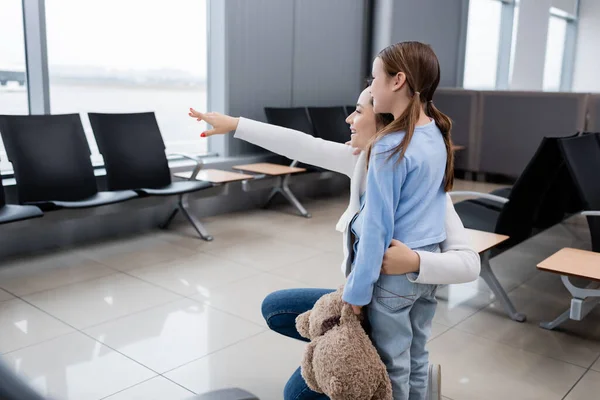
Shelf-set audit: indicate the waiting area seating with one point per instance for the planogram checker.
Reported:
(559, 181)
(53, 170)
(582, 155)
(328, 123)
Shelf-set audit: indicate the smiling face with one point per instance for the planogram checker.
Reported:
(362, 121)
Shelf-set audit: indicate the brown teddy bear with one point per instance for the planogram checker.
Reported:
(341, 361)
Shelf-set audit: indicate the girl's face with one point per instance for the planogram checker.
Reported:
(362, 121)
(384, 88)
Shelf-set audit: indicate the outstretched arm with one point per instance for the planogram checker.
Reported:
(292, 144)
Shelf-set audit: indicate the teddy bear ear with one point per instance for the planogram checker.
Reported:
(303, 324)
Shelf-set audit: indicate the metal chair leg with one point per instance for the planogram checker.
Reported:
(492, 281)
(168, 221)
(289, 195)
(183, 206)
(583, 302)
(561, 319)
(284, 189)
(271, 197)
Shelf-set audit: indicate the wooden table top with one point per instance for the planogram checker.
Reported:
(573, 262)
(269, 169)
(215, 176)
(483, 241)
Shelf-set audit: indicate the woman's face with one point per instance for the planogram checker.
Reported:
(362, 121)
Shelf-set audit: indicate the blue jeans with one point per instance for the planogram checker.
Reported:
(400, 316)
(280, 310)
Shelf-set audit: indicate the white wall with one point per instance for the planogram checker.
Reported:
(586, 77)
(530, 47)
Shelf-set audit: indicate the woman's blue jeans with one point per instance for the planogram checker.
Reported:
(280, 310)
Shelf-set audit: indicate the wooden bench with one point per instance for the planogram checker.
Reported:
(483, 242)
(283, 174)
(269, 169)
(569, 262)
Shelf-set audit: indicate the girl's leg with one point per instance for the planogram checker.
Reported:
(296, 389)
(391, 330)
(421, 316)
(281, 308)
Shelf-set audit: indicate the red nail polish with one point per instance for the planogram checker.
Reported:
(203, 134)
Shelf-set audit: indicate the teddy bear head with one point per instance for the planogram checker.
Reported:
(329, 311)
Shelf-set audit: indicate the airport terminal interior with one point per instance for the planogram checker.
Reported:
(136, 253)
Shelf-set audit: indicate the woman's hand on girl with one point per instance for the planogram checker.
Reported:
(400, 259)
(220, 123)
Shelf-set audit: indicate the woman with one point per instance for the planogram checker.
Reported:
(457, 262)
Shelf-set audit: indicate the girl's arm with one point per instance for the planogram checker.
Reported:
(457, 263)
(297, 145)
(384, 182)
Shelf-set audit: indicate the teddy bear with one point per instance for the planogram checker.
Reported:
(341, 361)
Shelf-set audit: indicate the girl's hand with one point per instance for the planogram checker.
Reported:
(355, 309)
(221, 123)
(399, 259)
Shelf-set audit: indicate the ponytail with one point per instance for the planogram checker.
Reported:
(444, 124)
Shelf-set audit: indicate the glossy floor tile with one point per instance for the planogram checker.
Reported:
(5, 295)
(456, 303)
(244, 297)
(261, 365)
(100, 300)
(191, 310)
(135, 252)
(477, 368)
(576, 342)
(596, 366)
(588, 387)
(158, 388)
(43, 272)
(267, 254)
(169, 336)
(320, 271)
(76, 367)
(23, 325)
(194, 275)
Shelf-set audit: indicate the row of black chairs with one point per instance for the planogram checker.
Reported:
(53, 170)
(328, 123)
(558, 182)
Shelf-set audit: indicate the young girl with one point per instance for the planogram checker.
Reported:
(410, 167)
(400, 301)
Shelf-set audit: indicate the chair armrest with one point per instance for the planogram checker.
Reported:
(487, 196)
(198, 161)
(591, 213)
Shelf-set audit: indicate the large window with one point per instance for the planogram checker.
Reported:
(130, 56)
(483, 44)
(13, 88)
(555, 50)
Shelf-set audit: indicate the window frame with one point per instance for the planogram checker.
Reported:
(568, 61)
(37, 70)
